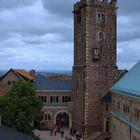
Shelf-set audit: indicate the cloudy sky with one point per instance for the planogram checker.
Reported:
(39, 34)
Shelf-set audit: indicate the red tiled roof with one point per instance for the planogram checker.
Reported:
(24, 73)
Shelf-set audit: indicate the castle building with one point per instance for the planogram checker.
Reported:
(83, 103)
(12, 76)
(125, 115)
(54, 91)
(56, 95)
(94, 70)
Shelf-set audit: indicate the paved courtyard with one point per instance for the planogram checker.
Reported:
(46, 135)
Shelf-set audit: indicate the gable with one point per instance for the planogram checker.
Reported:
(9, 76)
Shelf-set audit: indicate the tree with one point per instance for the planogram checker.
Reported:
(20, 106)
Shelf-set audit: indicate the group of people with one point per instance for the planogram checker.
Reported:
(76, 133)
(72, 133)
(56, 130)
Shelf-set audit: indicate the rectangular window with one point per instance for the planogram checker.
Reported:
(66, 99)
(54, 99)
(47, 117)
(43, 99)
(118, 105)
(114, 105)
(136, 112)
(10, 83)
(126, 108)
(95, 54)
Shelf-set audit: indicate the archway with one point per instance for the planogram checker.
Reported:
(63, 118)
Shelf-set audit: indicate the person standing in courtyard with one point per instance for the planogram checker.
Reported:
(55, 131)
(51, 131)
(62, 132)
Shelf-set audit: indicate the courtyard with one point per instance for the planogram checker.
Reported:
(46, 135)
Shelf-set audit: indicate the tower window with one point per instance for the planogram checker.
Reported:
(95, 54)
(103, 18)
(100, 36)
(101, 15)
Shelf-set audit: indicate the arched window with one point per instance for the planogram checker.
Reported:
(101, 15)
(98, 17)
(103, 18)
(100, 36)
(47, 117)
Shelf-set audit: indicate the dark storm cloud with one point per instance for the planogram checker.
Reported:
(34, 20)
(39, 33)
(62, 8)
(10, 4)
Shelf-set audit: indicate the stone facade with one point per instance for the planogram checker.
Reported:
(4, 84)
(56, 107)
(10, 77)
(125, 117)
(106, 109)
(55, 93)
(94, 70)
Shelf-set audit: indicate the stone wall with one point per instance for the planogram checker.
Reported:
(125, 123)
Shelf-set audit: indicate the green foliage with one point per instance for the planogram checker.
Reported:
(20, 106)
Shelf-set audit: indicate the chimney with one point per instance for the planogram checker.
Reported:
(33, 73)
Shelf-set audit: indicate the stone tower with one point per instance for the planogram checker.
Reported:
(94, 70)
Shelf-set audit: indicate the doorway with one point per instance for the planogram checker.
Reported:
(62, 119)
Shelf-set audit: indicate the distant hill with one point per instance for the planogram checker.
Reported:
(53, 73)
(2, 72)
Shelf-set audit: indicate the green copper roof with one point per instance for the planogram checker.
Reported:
(129, 84)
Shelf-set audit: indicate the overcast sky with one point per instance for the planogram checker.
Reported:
(38, 34)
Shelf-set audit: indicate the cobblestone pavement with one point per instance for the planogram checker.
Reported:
(46, 135)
